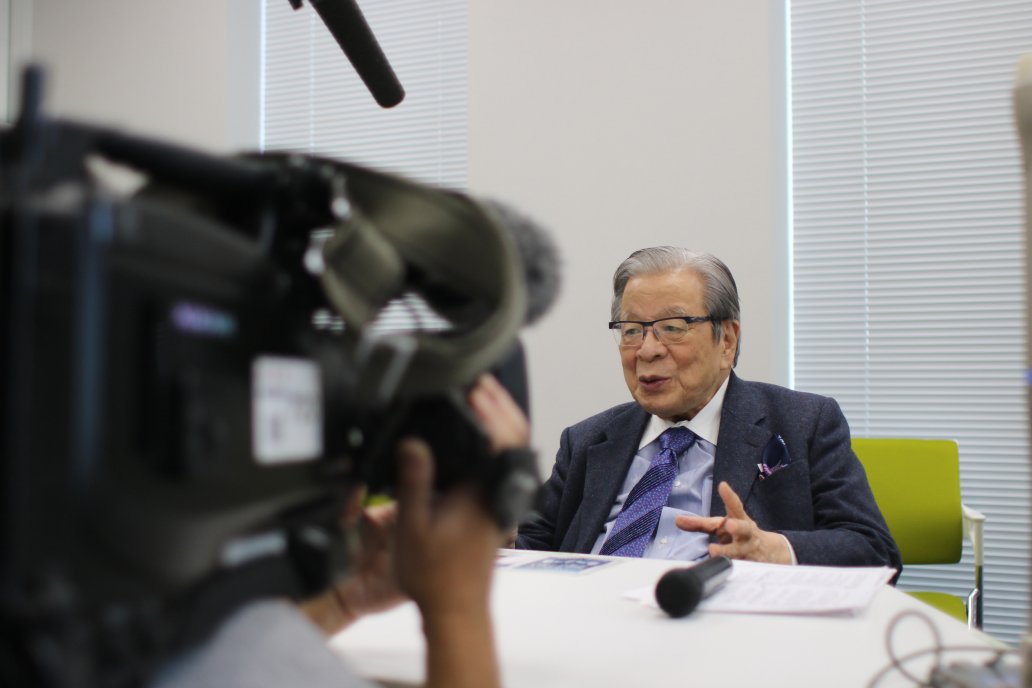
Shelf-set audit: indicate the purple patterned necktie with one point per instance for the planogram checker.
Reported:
(644, 505)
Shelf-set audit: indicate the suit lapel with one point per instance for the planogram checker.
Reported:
(740, 445)
(607, 466)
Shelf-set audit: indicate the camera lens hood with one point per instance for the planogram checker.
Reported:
(399, 236)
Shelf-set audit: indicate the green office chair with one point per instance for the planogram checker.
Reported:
(917, 486)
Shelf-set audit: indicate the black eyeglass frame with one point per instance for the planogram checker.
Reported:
(651, 324)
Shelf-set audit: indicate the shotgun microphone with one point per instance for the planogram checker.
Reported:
(679, 591)
(345, 21)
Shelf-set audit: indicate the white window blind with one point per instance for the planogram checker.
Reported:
(908, 277)
(314, 102)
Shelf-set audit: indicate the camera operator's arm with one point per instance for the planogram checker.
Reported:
(504, 421)
(445, 555)
(372, 587)
(447, 547)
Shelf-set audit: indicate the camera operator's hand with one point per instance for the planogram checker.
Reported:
(446, 550)
(501, 417)
(446, 544)
(372, 586)
(504, 421)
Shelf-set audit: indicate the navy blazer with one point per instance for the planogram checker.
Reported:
(821, 501)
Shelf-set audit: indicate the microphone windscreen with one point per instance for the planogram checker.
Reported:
(541, 262)
(679, 592)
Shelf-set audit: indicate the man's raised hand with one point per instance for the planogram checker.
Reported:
(738, 535)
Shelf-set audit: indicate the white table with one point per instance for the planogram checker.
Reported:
(560, 629)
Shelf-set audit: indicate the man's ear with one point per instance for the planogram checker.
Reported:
(731, 330)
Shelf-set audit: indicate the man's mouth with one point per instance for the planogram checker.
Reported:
(650, 383)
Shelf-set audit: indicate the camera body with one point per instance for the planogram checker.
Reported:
(141, 456)
(184, 412)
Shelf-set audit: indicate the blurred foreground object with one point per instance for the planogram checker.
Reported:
(193, 382)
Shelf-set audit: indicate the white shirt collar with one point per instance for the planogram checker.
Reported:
(705, 424)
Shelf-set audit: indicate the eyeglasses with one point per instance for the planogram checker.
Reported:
(667, 330)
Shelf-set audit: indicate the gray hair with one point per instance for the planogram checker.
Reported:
(721, 293)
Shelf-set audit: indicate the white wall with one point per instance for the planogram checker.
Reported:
(624, 125)
(618, 125)
(185, 70)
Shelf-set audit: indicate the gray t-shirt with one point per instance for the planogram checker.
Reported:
(267, 644)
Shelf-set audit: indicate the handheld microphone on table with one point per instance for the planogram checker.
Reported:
(680, 591)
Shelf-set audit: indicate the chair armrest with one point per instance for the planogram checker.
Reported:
(973, 521)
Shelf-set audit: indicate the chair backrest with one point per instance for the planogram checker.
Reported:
(917, 486)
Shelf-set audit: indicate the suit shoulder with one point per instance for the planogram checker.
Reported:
(598, 423)
(781, 396)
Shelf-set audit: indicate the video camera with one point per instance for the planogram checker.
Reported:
(193, 380)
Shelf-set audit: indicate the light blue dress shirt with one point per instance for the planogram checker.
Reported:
(693, 487)
(690, 496)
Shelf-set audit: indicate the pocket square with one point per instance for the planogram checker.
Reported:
(775, 457)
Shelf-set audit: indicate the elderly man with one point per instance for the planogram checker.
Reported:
(703, 461)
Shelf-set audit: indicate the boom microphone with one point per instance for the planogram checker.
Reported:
(680, 591)
(345, 21)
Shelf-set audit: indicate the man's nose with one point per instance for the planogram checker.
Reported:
(651, 347)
